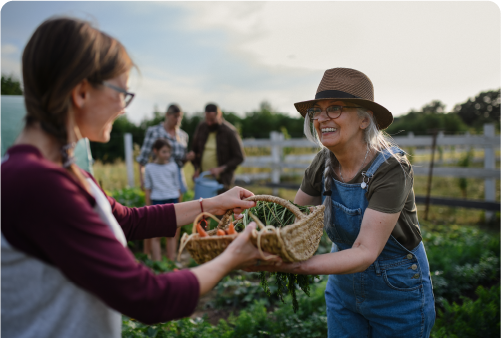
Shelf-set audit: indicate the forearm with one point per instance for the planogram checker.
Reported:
(337, 263)
(147, 199)
(186, 212)
(210, 273)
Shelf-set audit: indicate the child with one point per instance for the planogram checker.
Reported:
(161, 183)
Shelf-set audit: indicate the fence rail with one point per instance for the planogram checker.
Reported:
(277, 161)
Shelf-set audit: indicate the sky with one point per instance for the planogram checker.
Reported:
(238, 54)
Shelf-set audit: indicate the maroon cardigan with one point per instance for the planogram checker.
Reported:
(48, 215)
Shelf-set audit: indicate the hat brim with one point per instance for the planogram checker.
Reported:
(383, 116)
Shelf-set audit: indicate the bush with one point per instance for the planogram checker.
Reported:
(473, 319)
(461, 258)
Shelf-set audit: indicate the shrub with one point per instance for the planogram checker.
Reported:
(461, 258)
(473, 319)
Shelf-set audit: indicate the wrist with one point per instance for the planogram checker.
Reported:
(208, 205)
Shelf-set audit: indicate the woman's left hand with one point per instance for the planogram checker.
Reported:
(232, 199)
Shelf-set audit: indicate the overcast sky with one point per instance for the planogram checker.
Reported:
(238, 54)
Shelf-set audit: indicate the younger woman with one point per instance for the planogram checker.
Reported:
(66, 269)
(161, 184)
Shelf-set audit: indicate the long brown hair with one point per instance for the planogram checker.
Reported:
(60, 54)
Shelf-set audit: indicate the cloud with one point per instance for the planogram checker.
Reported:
(11, 60)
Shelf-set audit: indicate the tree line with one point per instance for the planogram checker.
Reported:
(467, 116)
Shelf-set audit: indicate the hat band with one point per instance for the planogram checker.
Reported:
(329, 94)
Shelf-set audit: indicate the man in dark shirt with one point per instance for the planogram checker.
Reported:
(217, 147)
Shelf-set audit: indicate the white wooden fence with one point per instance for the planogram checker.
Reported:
(277, 161)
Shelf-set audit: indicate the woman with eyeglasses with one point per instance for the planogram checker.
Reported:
(66, 269)
(379, 281)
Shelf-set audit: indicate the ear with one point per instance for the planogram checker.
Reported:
(80, 94)
(365, 122)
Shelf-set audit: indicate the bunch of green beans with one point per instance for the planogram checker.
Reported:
(270, 213)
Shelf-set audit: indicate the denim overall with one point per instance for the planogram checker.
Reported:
(393, 297)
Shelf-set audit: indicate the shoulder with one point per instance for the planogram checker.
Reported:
(228, 126)
(182, 133)
(154, 129)
(395, 163)
(318, 162)
(30, 174)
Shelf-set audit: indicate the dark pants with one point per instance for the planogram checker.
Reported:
(169, 200)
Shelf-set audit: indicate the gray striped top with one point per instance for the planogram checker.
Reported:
(162, 180)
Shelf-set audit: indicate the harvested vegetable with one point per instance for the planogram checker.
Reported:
(274, 214)
(201, 231)
(231, 229)
(221, 232)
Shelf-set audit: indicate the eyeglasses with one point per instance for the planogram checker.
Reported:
(127, 97)
(332, 112)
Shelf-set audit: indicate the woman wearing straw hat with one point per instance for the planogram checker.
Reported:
(379, 281)
(66, 269)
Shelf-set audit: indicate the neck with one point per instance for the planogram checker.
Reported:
(47, 144)
(158, 161)
(170, 128)
(351, 157)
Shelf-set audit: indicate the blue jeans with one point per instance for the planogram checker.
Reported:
(169, 200)
(394, 296)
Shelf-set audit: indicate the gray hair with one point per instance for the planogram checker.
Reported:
(375, 139)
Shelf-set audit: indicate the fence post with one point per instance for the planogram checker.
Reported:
(276, 158)
(489, 162)
(128, 159)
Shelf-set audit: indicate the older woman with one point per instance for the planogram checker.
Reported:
(379, 282)
(66, 269)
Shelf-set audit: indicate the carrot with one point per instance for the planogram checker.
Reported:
(220, 232)
(231, 229)
(201, 231)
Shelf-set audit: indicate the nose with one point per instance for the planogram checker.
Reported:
(323, 117)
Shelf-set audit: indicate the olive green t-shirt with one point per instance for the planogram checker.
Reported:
(390, 191)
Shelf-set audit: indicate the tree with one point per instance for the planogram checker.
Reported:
(11, 86)
(431, 116)
(484, 108)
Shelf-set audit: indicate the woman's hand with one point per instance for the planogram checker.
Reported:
(232, 199)
(245, 254)
(239, 254)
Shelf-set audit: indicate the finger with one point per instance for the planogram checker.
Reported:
(238, 215)
(245, 193)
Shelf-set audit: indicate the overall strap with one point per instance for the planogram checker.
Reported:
(381, 157)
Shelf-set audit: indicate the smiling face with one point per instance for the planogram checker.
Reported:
(97, 107)
(341, 132)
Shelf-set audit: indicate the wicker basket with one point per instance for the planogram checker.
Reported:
(204, 249)
(294, 242)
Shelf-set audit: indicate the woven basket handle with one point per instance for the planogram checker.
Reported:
(195, 222)
(266, 198)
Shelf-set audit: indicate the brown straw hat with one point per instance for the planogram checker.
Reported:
(349, 85)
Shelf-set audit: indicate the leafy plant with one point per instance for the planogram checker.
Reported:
(461, 258)
(479, 318)
(270, 213)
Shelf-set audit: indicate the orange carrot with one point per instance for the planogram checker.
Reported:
(201, 231)
(220, 232)
(231, 229)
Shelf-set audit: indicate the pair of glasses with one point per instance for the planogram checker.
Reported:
(332, 112)
(127, 97)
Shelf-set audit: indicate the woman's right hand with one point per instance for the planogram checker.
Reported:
(241, 253)
(245, 254)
